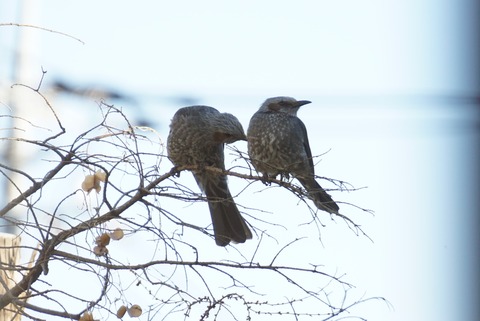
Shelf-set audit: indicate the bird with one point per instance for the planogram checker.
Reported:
(278, 144)
(197, 137)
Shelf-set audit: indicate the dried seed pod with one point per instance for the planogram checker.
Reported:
(100, 175)
(117, 234)
(103, 240)
(88, 183)
(135, 311)
(100, 250)
(121, 311)
(92, 182)
(97, 186)
(87, 316)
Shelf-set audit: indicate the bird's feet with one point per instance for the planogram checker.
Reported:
(175, 172)
(284, 177)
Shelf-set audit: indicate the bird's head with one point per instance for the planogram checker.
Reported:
(227, 129)
(283, 104)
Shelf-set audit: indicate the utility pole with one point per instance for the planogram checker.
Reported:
(21, 72)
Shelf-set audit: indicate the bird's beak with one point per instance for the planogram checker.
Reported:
(302, 102)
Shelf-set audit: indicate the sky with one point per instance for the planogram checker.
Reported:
(394, 86)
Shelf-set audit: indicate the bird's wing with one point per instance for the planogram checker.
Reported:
(306, 144)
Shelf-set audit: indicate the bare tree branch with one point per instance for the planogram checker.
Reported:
(128, 190)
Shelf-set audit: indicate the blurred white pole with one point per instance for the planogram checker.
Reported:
(23, 72)
(9, 255)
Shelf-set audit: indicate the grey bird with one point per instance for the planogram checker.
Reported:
(197, 137)
(278, 144)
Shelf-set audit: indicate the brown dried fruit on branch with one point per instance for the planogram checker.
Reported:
(93, 181)
(103, 240)
(117, 234)
(121, 311)
(135, 311)
(87, 316)
(100, 250)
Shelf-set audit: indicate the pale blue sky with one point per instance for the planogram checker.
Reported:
(378, 73)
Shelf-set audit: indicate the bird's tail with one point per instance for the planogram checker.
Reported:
(228, 223)
(322, 200)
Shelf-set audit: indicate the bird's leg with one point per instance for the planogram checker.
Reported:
(285, 176)
(264, 179)
(175, 172)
